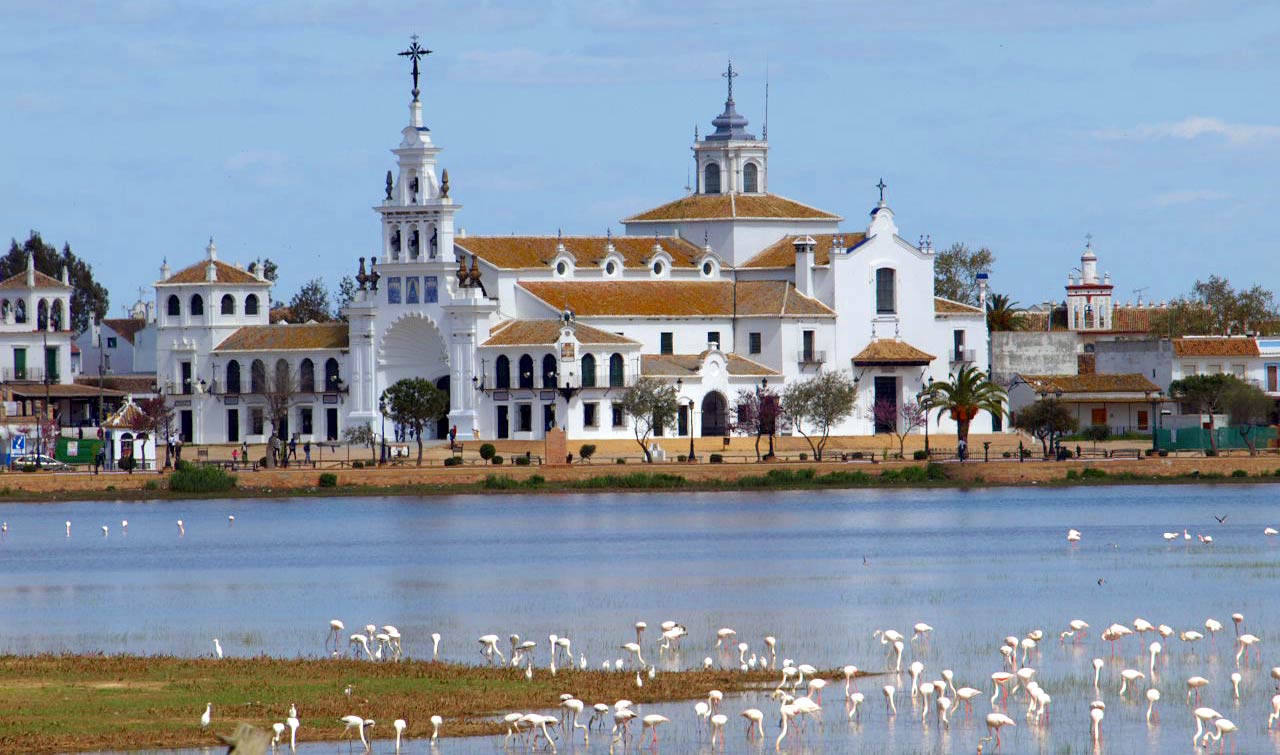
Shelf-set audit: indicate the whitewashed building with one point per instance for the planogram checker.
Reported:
(727, 288)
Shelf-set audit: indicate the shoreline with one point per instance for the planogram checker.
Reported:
(479, 480)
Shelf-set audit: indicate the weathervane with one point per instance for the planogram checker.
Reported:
(730, 75)
(416, 52)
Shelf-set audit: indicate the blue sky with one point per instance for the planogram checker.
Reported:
(136, 129)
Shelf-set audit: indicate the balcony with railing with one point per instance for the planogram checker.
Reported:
(962, 356)
(25, 375)
(811, 356)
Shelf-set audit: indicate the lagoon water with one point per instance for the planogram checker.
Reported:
(821, 570)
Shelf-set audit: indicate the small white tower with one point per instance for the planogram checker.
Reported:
(730, 160)
(1088, 296)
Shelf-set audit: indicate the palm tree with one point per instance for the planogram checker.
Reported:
(963, 396)
(1002, 313)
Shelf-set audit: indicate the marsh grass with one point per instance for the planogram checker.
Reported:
(75, 703)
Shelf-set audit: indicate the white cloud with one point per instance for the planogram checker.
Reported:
(1194, 127)
(1186, 196)
(266, 168)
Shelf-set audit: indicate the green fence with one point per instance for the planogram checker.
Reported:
(1197, 438)
(84, 450)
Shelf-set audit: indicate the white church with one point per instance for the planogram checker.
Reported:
(727, 288)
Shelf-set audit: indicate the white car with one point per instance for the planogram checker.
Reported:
(29, 461)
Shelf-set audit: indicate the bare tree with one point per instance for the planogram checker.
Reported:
(280, 393)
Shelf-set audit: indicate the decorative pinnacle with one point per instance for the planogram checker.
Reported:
(415, 52)
(730, 74)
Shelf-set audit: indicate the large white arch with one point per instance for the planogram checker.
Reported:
(412, 346)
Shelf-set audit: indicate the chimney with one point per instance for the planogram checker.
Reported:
(982, 291)
(804, 264)
(31, 270)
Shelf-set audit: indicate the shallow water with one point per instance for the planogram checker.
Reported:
(821, 570)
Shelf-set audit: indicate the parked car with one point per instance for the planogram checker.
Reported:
(28, 461)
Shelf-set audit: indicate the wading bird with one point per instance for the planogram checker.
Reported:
(359, 724)
(207, 716)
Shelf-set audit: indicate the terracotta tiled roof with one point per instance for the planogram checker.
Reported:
(1215, 347)
(226, 274)
(889, 351)
(124, 417)
(1131, 319)
(287, 337)
(126, 327)
(724, 206)
(1093, 383)
(59, 390)
(667, 298)
(41, 281)
(943, 306)
(685, 365)
(137, 383)
(515, 252)
(782, 253)
(547, 332)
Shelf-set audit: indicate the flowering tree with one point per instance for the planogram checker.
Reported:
(899, 420)
(758, 413)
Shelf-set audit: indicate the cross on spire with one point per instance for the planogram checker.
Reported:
(415, 52)
(730, 75)
(882, 186)
(1088, 240)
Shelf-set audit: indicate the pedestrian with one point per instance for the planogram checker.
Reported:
(80, 433)
(99, 459)
(962, 449)
(453, 434)
(235, 456)
(244, 451)
(293, 447)
(306, 450)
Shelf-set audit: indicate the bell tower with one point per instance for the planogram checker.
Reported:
(417, 211)
(730, 160)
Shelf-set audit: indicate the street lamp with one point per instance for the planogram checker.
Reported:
(922, 398)
(382, 411)
(764, 386)
(688, 419)
(1154, 398)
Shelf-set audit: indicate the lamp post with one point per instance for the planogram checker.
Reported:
(1154, 398)
(764, 386)
(688, 419)
(922, 398)
(382, 412)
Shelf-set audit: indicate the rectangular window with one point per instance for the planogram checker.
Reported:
(51, 364)
(186, 378)
(304, 420)
(430, 285)
(411, 290)
(524, 421)
(233, 425)
(255, 420)
(682, 420)
(807, 340)
(753, 343)
(667, 345)
(885, 389)
(957, 341)
(713, 336)
(1238, 370)
(1144, 422)
(1273, 378)
(619, 417)
(1188, 370)
(331, 424)
(20, 363)
(548, 416)
(1098, 416)
(393, 290)
(886, 291)
(111, 342)
(1214, 369)
(589, 414)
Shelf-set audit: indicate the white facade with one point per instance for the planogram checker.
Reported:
(728, 289)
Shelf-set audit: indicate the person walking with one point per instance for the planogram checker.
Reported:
(293, 447)
(275, 449)
(99, 459)
(244, 451)
(306, 450)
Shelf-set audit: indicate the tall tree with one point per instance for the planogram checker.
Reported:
(650, 403)
(280, 391)
(819, 403)
(757, 414)
(415, 402)
(955, 272)
(1206, 394)
(1248, 409)
(311, 303)
(89, 299)
(1215, 307)
(1046, 420)
(152, 420)
(1002, 314)
(967, 392)
(346, 295)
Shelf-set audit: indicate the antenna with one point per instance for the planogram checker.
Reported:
(766, 98)
(1138, 292)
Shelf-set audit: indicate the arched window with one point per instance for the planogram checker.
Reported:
(750, 178)
(526, 371)
(251, 304)
(588, 371)
(307, 376)
(886, 289)
(55, 316)
(282, 376)
(175, 306)
(548, 371)
(257, 377)
(332, 380)
(711, 179)
(616, 375)
(502, 373)
(197, 305)
(42, 315)
(233, 376)
(228, 304)
(20, 311)
(6, 309)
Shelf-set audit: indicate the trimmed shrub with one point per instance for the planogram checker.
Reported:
(192, 478)
(453, 461)
(855, 455)
(804, 456)
(1008, 454)
(496, 460)
(148, 485)
(619, 460)
(328, 480)
(128, 464)
(1210, 452)
(535, 480)
(586, 451)
(920, 455)
(715, 459)
(522, 461)
(1162, 453)
(682, 458)
(357, 464)
(487, 451)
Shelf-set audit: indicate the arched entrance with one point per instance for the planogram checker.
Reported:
(442, 425)
(715, 414)
(411, 347)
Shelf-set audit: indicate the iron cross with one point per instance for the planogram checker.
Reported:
(730, 75)
(416, 52)
(882, 186)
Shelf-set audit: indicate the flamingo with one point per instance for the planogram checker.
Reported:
(714, 698)
(1275, 712)
(1203, 716)
(1170, 536)
(1076, 630)
(850, 673)
(437, 722)
(1221, 728)
(787, 711)
(576, 706)
(1212, 626)
(1238, 620)
(1190, 635)
(293, 723)
(182, 530)
(771, 642)
(1000, 680)
(920, 631)
(104, 530)
(634, 649)
(1073, 536)
(600, 710)
(855, 701)
(717, 727)
(1235, 685)
(399, 725)
(359, 724)
(888, 697)
(1245, 642)
(1097, 671)
(68, 526)
(897, 649)
(512, 720)
(1129, 676)
(622, 723)
(1154, 649)
(358, 641)
(914, 671)
(652, 722)
(703, 712)
(742, 653)
(724, 636)
(1096, 716)
(755, 722)
(489, 647)
(949, 676)
(1271, 532)
(335, 633)
(207, 716)
(944, 708)
(995, 722)
(1153, 697)
(966, 696)
(1195, 684)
